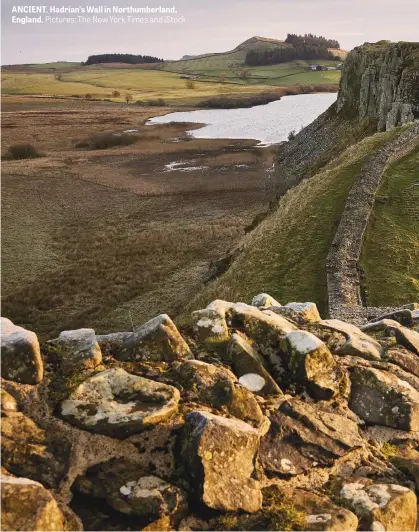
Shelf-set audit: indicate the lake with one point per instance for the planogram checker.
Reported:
(269, 123)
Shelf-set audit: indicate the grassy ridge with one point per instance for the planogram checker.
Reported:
(285, 255)
(390, 255)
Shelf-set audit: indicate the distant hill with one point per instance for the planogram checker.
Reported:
(229, 63)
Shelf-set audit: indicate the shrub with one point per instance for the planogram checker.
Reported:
(190, 84)
(292, 135)
(104, 141)
(109, 140)
(128, 98)
(159, 102)
(116, 94)
(88, 96)
(23, 150)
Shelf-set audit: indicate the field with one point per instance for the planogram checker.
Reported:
(215, 75)
(104, 238)
(391, 252)
(285, 256)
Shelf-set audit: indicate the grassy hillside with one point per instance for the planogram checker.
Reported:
(139, 83)
(391, 252)
(222, 74)
(285, 255)
(230, 65)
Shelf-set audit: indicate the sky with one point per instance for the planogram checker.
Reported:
(202, 26)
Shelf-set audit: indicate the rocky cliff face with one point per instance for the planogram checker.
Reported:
(380, 82)
(379, 90)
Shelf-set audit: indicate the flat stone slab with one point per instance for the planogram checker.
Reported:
(301, 313)
(381, 398)
(302, 437)
(119, 404)
(20, 354)
(357, 342)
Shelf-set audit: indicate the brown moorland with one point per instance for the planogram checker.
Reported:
(107, 238)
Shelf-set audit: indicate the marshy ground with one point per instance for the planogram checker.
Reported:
(104, 238)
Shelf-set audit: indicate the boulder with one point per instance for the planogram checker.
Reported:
(301, 313)
(128, 490)
(264, 300)
(356, 342)
(218, 455)
(251, 367)
(302, 437)
(210, 324)
(30, 451)
(311, 363)
(402, 316)
(380, 506)
(116, 403)
(110, 343)
(404, 358)
(379, 326)
(408, 338)
(265, 328)
(217, 387)
(158, 340)
(381, 398)
(27, 505)
(20, 354)
(77, 350)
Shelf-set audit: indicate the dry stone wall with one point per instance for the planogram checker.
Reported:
(342, 264)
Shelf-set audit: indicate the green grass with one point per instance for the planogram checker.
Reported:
(101, 82)
(390, 255)
(285, 255)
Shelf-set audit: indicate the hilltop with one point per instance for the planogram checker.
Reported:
(229, 65)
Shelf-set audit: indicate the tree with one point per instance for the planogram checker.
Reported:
(116, 94)
(128, 98)
(190, 84)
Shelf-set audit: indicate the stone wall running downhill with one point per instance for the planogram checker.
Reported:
(379, 90)
(342, 264)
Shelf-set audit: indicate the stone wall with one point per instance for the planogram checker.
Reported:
(379, 90)
(342, 264)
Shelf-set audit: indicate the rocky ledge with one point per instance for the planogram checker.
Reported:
(251, 417)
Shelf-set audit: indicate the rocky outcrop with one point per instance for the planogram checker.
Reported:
(21, 357)
(287, 422)
(378, 91)
(380, 82)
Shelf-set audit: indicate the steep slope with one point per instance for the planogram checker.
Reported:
(286, 254)
(390, 255)
(379, 90)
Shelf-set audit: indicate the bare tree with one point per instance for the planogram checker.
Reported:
(128, 98)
